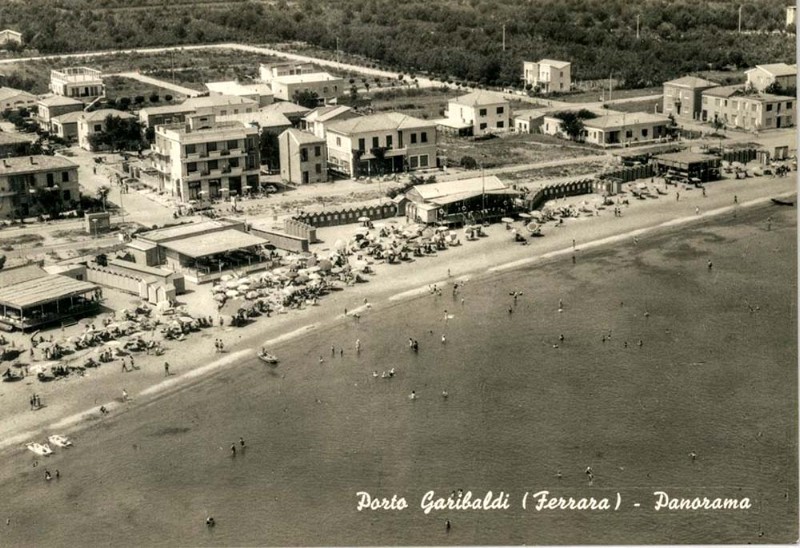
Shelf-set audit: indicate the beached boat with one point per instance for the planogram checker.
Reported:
(43, 450)
(776, 201)
(10, 376)
(266, 357)
(59, 441)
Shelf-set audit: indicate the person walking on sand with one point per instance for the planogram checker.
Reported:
(444, 339)
(333, 351)
(447, 525)
(590, 474)
(413, 395)
(166, 369)
(735, 199)
(710, 265)
(233, 449)
(124, 395)
(697, 211)
(241, 442)
(358, 346)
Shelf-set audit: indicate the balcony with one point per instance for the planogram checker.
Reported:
(224, 152)
(226, 169)
(205, 173)
(204, 155)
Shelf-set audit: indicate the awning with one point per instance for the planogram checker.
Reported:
(205, 245)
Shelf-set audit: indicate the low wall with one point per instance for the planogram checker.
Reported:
(294, 227)
(347, 216)
(281, 240)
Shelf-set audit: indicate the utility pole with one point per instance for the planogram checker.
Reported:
(637, 26)
(337, 49)
(740, 19)
(504, 37)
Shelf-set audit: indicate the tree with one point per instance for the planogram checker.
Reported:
(270, 149)
(353, 94)
(139, 99)
(168, 97)
(468, 162)
(123, 103)
(308, 99)
(102, 194)
(718, 124)
(118, 134)
(154, 97)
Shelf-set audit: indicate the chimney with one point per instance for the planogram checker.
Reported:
(32, 162)
(5, 163)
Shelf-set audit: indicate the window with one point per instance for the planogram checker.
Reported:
(65, 176)
(317, 151)
(388, 141)
(98, 127)
(233, 144)
(482, 126)
(338, 141)
(362, 145)
(769, 108)
(482, 112)
(644, 133)
(67, 195)
(223, 112)
(376, 142)
(303, 154)
(211, 147)
(423, 160)
(325, 89)
(318, 168)
(50, 179)
(413, 138)
(628, 134)
(191, 149)
(213, 164)
(191, 167)
(423, 137)
(501, 123)
(500, 110)
(413, 162)
(233, 162)
(789, 105)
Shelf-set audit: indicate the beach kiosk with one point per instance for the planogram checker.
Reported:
(45, 300)
(689, 166)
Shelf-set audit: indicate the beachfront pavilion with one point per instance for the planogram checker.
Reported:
(205, 257)
(461, 202)
(689, 166)
(46, 300)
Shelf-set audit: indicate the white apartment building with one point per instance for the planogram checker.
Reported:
(762, 76)
(326, 87)
(269, 71)
(93, 122)
(259, 93)
(485, 111)
(750, 111)
(78, 82)
(382, 143)
(206, 159)
(548, 75)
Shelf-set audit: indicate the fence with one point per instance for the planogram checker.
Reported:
(559, 190)
(281, 240)
(347, 216)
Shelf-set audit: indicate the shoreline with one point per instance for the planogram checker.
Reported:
(294, 325)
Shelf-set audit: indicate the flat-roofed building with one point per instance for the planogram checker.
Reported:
(381, 143)
(258, 92)
(315, 121)
(327, 87)
(269, 71)
(79, 82)
(48, 108)
(691, 167)
(206, 159)
(683, 97)
(460, 202)
(30, 185)
(8, 36)
(761, 77)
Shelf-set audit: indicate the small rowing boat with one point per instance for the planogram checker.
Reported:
(43, 450)
(266, 357)
(776, 201)
(59, 441)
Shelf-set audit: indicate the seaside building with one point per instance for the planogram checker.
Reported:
(261, 119)
(750, 111)
(48, 108)
(29, 183)
(460, 202)
(380, 143)
(683, 97)
(31, 298)
(79, 82)
(203, 158)
(303, 157)
(314, 122)
(529, 120)
(548, 75)
(8, 36)
(761, 77)
(689, 166)
(619, 129)
(204, 251)
(216, 105)
(16, 99)
(326, 87)
(259, 93)
(293, 112)
(269, 71)
(791, 15)
(90, 123)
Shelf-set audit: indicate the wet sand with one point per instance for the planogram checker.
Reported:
(721, 382)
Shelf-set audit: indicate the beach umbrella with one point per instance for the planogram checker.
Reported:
(243, 288)
(363, 219)
(226, 277)
(251, 295)
(113, 344)
(230, 284)
(361, 231)
(507, 220)
(301, 279)
(232, 293)
(220, 297)
(325, 265)
(525, 215)
(245, 280)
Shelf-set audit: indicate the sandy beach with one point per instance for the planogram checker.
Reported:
(525, 411)
(74, 401)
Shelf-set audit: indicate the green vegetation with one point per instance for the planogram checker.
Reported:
(119, 134)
